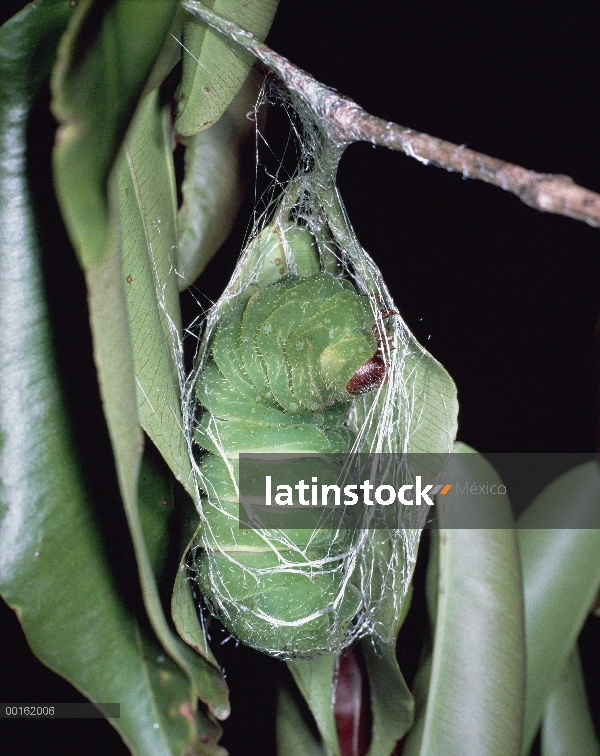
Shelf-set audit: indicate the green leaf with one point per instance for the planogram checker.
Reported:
(160, 514)
(105, 59)
(114, 361)
(184, 612)
(314, 678)
(567, 726)
(296, 732)
(392, 706)
(213, 187)
(561, 576)
(54, 568)
(475, 675)
(213, 70)
(147, 205)
(114, 356)
(391, 701)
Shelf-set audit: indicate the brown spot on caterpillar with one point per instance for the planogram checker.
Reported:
(369, 376)
(373, 373)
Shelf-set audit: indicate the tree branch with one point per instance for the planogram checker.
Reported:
(348, 122)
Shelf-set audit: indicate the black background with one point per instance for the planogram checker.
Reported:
(507, 298)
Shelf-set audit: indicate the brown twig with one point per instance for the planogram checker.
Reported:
(348, 123)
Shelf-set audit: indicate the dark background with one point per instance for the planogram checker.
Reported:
(507, 298)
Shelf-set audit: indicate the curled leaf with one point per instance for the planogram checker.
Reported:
(474, 678)
(567, 726)
(104, 62)
(561, 577)
(213, 70)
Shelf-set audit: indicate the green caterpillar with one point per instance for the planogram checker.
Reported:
(281, 374)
